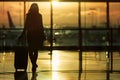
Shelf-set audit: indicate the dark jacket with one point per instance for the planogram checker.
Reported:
(34, 30)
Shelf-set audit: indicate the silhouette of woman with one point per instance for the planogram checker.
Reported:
(35, 33)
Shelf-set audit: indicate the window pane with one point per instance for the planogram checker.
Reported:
(9, 34)
(12, 17)
(93, 15)
(115, 15)
(93, 37)
(16, 12)
(65, 21)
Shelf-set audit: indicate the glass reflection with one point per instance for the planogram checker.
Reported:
(20, 75)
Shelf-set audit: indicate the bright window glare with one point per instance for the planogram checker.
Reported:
(55, 3)
(54, 0)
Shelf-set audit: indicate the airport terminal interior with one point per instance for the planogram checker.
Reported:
(82, 40)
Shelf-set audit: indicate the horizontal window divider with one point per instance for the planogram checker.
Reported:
(66, 0)
(82, 48)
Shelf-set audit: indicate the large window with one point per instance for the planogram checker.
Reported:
(65, 22)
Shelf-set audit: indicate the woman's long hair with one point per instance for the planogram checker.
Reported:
(34, 8)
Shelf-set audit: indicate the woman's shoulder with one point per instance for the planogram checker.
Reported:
(28, 14)
(40, 14)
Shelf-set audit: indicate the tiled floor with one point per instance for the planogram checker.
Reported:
(63, 66)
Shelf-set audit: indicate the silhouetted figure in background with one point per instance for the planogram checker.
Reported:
(35, 33)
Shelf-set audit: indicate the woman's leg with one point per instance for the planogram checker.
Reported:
(34, 60)
(31, 55)
(35, 57)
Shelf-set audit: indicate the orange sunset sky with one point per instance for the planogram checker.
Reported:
(64, 13)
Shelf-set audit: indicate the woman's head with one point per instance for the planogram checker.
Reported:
(34, 8)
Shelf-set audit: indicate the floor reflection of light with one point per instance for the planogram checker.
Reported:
(4, 53)
(11, 53)
(55, 65)
(3, 57)
(55, 76)
(55, 60)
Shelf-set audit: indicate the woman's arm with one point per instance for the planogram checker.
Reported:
(24, 30)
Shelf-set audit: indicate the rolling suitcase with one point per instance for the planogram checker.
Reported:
(21, 58)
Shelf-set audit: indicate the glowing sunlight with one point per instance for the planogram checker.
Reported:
(55, 65)
(55, 3)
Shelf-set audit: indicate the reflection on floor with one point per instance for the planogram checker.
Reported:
(63, 66)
